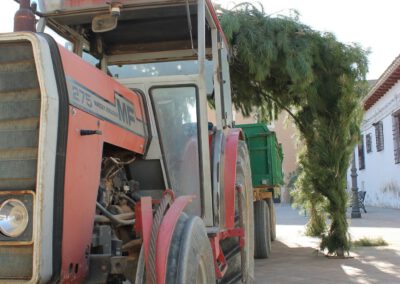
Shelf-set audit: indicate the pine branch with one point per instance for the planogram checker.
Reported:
(287, 109)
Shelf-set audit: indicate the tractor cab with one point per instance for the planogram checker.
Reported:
(175, 54)
(107, 159)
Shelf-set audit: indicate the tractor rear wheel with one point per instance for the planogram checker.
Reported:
(262, 232)
(241, 260)
(140, 269)
(190, 258)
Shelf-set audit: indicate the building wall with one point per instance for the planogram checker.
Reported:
(381, 176)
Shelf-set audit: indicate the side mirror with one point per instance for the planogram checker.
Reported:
(104, 23)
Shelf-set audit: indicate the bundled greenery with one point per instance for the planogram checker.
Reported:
(278, 64)
(308, 200)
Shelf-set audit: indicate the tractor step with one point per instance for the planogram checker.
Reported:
(232, 253)
(235, 279)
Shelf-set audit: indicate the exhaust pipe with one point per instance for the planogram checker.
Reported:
(24, 19)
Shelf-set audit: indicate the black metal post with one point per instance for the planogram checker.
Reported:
(355, 209)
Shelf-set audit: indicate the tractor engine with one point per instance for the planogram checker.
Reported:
(115, 247)
(115, 190)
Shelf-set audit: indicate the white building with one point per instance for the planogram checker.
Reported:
(378, 155)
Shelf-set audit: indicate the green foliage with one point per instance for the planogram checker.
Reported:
(316, 226)
(370, 242)
(279, 64)
(292, 179)
(310, 202)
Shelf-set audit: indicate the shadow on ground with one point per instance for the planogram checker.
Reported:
(305, 265)
(295, 259)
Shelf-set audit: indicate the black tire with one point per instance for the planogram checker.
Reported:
(190, 258)
(272, 216)
(262, 230)
(236, 269)
(140, 269)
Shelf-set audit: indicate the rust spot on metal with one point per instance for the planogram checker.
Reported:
(261, 194)
(19, 124)
(16, 262)
(24, 19)
(131, 244)
(21, 183)
(12, 66)
(19, 154)
(19, 192)
(29, 94)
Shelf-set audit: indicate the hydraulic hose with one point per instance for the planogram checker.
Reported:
(127, 198)
(115, 218)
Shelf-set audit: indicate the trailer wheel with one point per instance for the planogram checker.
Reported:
(190, 258)
(241, 261)
(272, 215)
(262, 229)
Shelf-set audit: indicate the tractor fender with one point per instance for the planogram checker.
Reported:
(232, 138)
(165, 233)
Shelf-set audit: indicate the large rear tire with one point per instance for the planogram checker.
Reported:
(262, 236)
(241, 261)
(190, 258)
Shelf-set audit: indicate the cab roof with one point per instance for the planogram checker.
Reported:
(143, 25)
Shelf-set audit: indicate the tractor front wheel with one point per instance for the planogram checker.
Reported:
(190, 258)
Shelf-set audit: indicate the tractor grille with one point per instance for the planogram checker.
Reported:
(19, 133)
(19, 117)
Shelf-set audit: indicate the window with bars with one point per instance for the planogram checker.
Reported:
(368, 142)
(379, 136)
(396, 136)
(361, 158)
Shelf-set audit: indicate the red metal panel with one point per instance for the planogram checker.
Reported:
(144, 221)
(231, 144)
(219, 258)
(165, 233)
(82, 178)
(106, 87)
(215, 18)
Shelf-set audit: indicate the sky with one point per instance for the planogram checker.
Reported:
(371, 23)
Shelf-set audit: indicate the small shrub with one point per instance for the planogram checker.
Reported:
(370, 242)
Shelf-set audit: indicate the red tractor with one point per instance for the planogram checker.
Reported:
(109, 169)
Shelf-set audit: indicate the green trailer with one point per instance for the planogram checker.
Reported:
(266, 155)
(266, 158)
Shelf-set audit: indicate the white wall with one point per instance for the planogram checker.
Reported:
(381, 176)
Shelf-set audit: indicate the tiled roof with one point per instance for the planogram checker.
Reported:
(384, 83)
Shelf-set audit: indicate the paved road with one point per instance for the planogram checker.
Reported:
(296, 260)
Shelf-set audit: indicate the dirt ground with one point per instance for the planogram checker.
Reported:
(295, 258)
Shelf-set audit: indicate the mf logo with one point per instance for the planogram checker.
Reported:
(126, 112)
